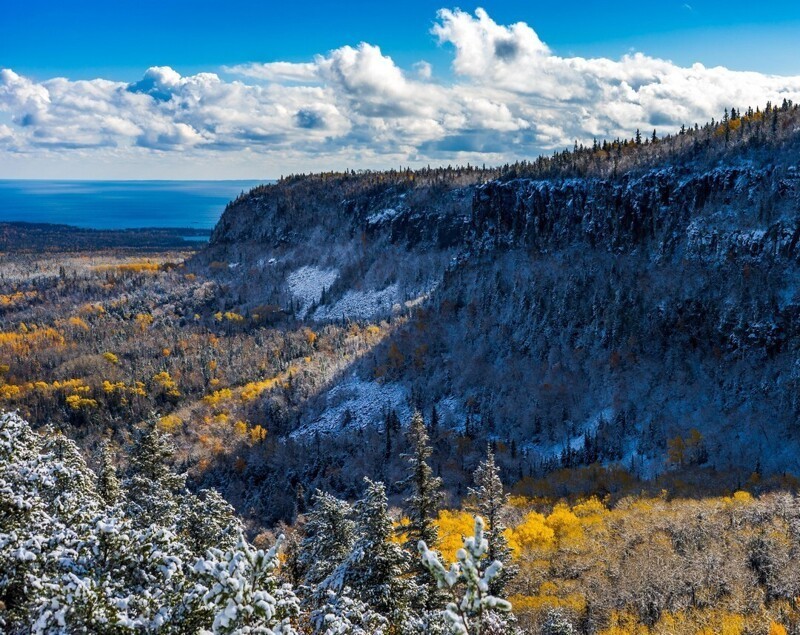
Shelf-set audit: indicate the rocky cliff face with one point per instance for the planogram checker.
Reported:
(583, 319)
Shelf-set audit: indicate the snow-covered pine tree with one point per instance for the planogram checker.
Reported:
(153, 489)
(489, 503)
(423, 503)
(207, 520)
(468, 582)
(421, 507)
(377, 567)
(70, 563)
(67, 562)
(329, 537)
(239, 590)
(343, 614)
(108, 483)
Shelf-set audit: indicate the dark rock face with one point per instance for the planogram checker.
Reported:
(619, 215)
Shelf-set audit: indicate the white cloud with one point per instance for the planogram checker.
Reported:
(509, 96)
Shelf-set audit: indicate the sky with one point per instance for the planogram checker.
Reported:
(196, 89)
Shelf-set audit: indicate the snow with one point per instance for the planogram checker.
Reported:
(307, 284)
(382, 216)
(366, 402)
(362, 305)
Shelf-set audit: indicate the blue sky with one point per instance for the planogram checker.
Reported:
(217, 105)
(90, 38)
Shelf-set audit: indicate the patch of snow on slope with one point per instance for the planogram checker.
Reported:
(361, 305)
(382, 216)
(307, 284)
(355, 403)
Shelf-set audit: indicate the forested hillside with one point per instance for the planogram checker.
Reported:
(633, 302)
(593, 352)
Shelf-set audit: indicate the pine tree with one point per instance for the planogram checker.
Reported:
(471, 578)
(208, 520)
(426, 495)
(490, 501)
(343, 614)
(330, 534)
(421, 507)
(153, 489)
(377, 567)
(108, 484)
(240, 591)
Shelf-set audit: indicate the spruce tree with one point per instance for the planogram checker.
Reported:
(330, 534)
(472, 609)
(377, 567)
(208, 520)
(153, 490)
(421, 507)
(490, 501)
(425, 499)
(108, 484)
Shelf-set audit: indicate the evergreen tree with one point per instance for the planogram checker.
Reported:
(240, 591)
(330, 534)
(377, 567)
(490, 501)
(343, 614)
(468, 582)
(421, 508)
(108, 484)
(153, 489)
(426, 496)
(207, 521)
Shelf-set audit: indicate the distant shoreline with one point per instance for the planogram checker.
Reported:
(24, 237)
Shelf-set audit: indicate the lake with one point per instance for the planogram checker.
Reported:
(119, 204)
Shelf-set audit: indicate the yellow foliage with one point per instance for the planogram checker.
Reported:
(167, 383)
(399, 535)
(130, 267)
(776, 629)
(565, 525)
(228, 316)
(78, 323)
(547, 600)
(111, 357)
(624, 624)
(218, 396)
(92, 309)
(10, 300)
(453, 526)
(9, 392)
(532, 534)
(169, 423)
(257, 433)
(732, 624)
(240, 428)
(253, 389)
(76, 402)
(143, 321)
(26, 340)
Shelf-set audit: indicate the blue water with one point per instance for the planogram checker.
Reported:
(119, 204)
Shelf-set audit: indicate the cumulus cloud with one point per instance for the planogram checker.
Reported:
(510, 95)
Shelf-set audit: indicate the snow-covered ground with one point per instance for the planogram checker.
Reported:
(355, 403)
(307, 284)
(361, 305)
(382, 216)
